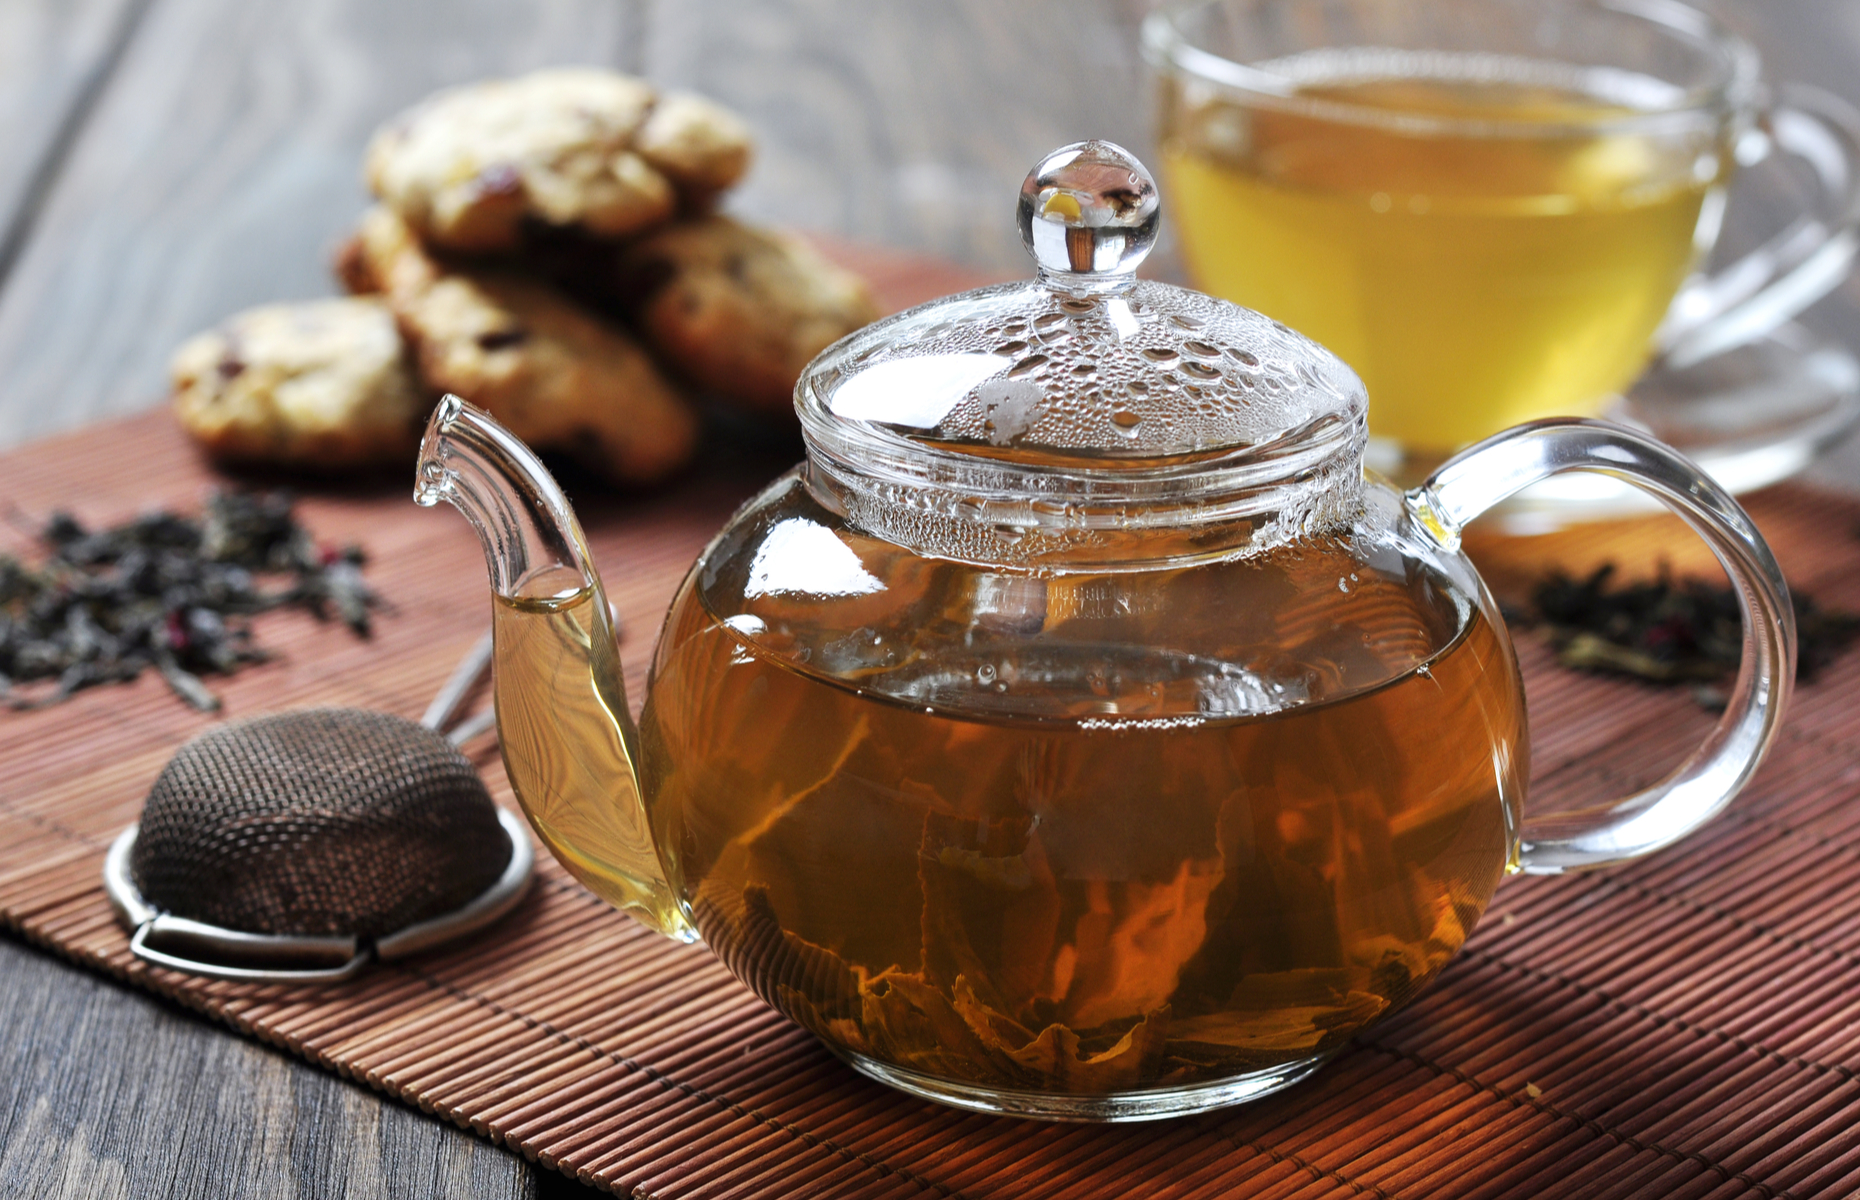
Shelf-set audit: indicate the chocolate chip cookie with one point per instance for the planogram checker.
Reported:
(739, 310)
(321, 384)
(554, 375)
(569, 146)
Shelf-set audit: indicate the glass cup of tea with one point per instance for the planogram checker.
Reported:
(1491, 209)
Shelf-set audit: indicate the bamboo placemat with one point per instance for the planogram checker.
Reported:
(1685, 1027)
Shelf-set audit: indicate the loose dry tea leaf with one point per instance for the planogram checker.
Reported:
(1669, 631)
(165, 591)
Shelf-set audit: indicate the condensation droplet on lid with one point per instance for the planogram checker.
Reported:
(1160, 354)
(1047, 322)
(1126, 422)
(1084, 369)
(985, 674)
(1027, 366)
(1201, 349)
(1014, 347)
(1200, 370)
(1245, 356)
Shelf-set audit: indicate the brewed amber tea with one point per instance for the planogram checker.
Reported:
(996, 836)
(1484, 246)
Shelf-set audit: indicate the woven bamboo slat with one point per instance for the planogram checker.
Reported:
(1688, 1026)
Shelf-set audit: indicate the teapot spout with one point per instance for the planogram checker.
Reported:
(568, 739)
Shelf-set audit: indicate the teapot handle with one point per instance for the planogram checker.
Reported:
(1476, 479)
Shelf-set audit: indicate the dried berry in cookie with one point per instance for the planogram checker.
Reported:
(739, 310)
(556, 376)
(321, 384)
(566, 146)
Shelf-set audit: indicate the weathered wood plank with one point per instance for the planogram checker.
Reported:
(215, 170)
(110, 1094)
(325, 1123)
(222, 163)
(912, 122)
(55, 57)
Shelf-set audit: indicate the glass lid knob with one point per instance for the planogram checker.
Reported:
(1089, 214)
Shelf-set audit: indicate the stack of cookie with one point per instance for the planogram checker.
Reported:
(545, 247)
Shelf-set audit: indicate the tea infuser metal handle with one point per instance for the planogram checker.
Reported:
(168, 927)
(1699, 789)
(186, 940)
(464, 677)
(1773, 283)
(346, 953)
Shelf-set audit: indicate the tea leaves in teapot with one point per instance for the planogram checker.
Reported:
(165, 591)
(1053, 901)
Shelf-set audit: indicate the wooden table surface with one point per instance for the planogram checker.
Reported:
(166, 162)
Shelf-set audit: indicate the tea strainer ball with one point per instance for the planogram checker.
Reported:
(301, 845)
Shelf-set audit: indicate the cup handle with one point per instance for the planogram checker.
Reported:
(1807, 260)
(1474, 480)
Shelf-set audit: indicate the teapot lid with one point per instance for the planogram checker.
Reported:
(1117, 399)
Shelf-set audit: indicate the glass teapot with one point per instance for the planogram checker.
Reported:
(1079, 732)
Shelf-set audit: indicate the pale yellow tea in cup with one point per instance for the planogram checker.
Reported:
(1507, 260)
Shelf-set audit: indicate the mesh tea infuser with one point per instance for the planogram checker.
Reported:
(301, 845)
